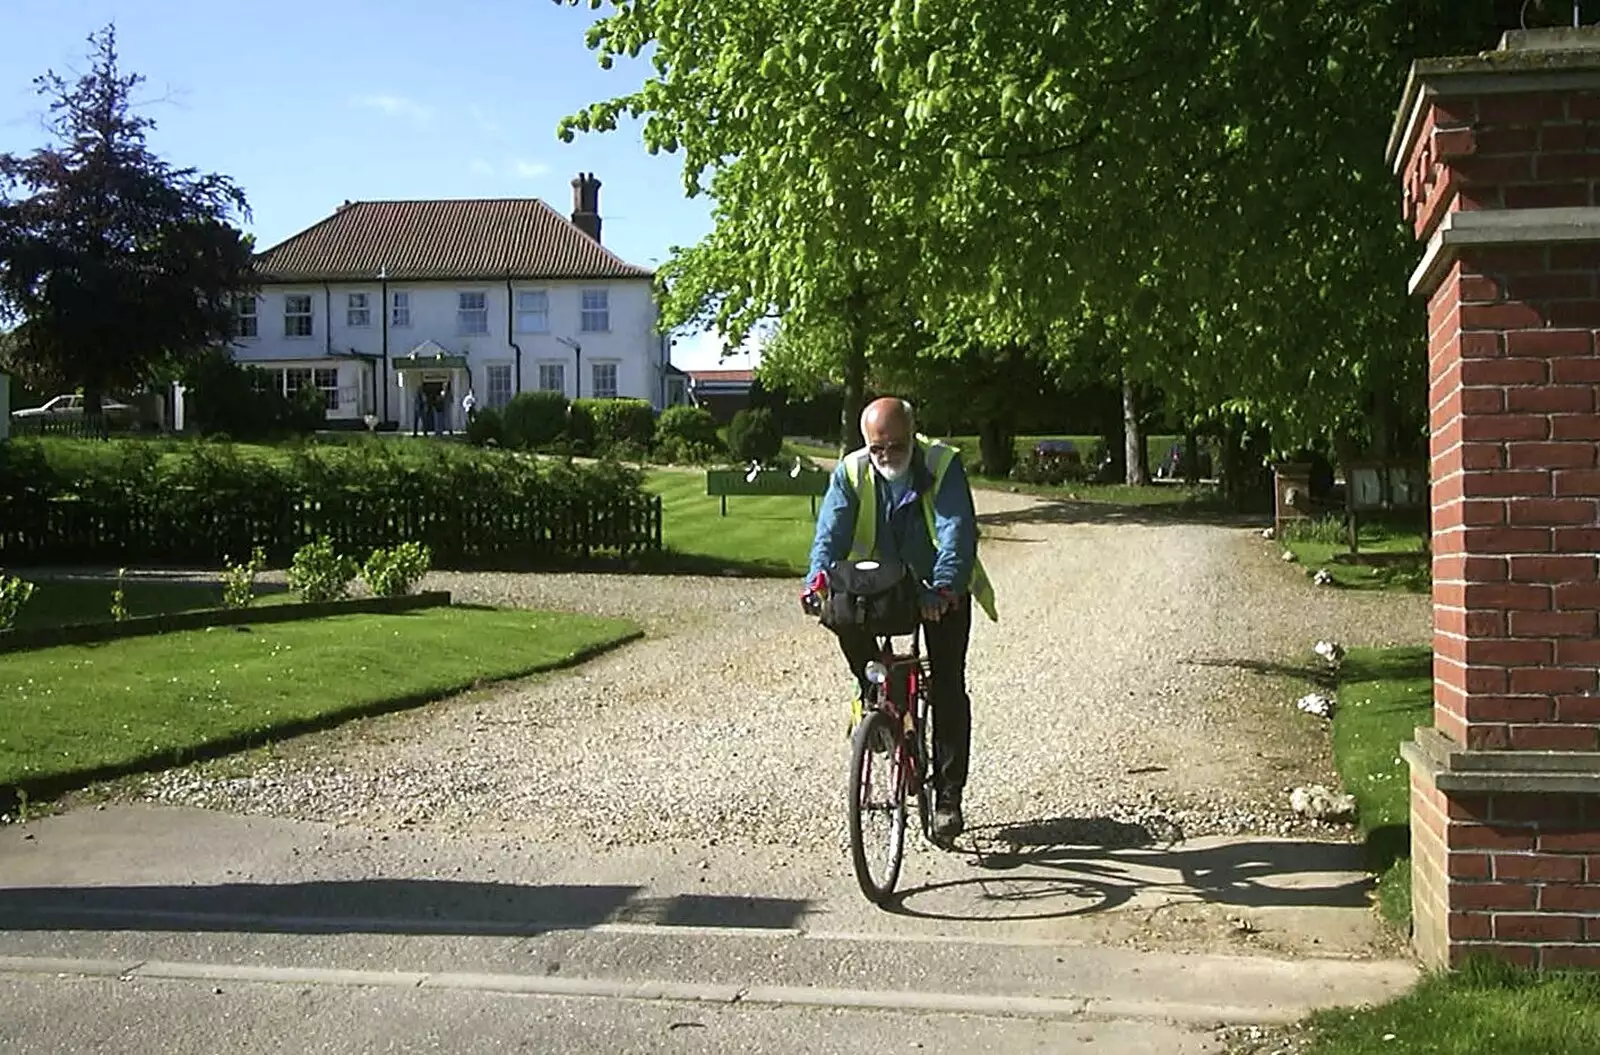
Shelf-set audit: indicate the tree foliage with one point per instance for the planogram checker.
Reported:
(1188, 194)
(115, 266)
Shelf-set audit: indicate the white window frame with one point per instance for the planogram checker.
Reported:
(594, 315)
(327, 379)
(495, 397)
(464, 315)
(400, 308)
(553, 364)
(357, 310)
(291, 318)
(242, 317)
(535, 319)
(595, 367)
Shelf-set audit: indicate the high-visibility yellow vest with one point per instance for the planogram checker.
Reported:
(864, 543)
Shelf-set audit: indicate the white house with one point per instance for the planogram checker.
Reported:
(387, 300)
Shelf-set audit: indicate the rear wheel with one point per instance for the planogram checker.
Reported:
(877, 805)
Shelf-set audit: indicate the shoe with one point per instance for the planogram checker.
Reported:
(856, 711)
(947, 820)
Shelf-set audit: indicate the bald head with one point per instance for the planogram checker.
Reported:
(889, 430)
(888, 412)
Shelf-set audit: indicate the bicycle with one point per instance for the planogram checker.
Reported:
(892, 741)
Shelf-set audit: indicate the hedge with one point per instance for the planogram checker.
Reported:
(122, 502)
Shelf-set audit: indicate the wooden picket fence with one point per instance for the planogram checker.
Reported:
(123, 528)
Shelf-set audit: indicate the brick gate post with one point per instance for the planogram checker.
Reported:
(1499, 156)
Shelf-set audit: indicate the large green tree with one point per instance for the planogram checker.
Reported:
(1193, 191)
(115, 266)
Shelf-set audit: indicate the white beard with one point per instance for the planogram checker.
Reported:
(894, 476)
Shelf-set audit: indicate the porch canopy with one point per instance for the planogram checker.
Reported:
(429, 355)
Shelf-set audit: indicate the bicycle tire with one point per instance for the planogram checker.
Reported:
(863, 763)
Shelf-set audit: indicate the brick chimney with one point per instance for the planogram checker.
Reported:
(586, 204)
(1500, 164)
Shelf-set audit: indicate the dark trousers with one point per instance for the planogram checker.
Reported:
(946, 643)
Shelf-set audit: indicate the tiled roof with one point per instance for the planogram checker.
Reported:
(723, 377)
(470, 238)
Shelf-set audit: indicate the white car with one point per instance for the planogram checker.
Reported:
(71, 406)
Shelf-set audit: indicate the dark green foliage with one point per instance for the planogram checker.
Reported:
(753, 436)
(628, 424)
(229, 400)
(535, 420)
(688, 436)
(487, 428)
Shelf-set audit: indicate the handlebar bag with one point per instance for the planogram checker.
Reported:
(876, 598)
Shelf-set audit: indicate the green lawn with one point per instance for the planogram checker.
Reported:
(1479, 1009)
(1384, 695)
(57, 603)
(76, 713)
(760, 534)
(1320, 543)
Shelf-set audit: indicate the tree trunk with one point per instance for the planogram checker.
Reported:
(1191, 457)
(1232, 463)
(1133, 437)
(997, 446)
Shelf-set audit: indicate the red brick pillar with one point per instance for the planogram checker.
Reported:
(1499, 155)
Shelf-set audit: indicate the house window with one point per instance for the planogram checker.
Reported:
(498, 376)
(295, 380)
(533, 311)
(400, 309)
(596, 312)
(357, 310)
(605, 381)
(472, 313)
(553, 377)
(297, 315)
(247, 323)
(328, 381)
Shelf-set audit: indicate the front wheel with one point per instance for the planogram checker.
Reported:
(877, 806)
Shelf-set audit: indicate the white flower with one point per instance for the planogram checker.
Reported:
(1317, 704)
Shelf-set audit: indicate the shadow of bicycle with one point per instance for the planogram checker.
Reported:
(1061, 867)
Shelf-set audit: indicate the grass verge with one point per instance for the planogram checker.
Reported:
(1481, 1007)
(80, 713)
(760, 535)
(1395, 552)
(1384, 695)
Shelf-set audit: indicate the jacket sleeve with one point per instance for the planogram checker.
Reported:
(955, 526)
(836, 522)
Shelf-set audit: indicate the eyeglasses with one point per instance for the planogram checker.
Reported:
(880, 449)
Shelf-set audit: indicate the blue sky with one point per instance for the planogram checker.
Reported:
(306, 104)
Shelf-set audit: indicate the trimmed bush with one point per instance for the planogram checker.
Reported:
(754, 436)
(125, 501)
(320, 574)
(692, 425)
(535, 420)
(396, 572)
(579, 437)
(486, 428)
(621, 426)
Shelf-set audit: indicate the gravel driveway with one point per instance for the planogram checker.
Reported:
(1130, 680)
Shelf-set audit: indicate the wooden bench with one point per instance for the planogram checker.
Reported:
(809, 483)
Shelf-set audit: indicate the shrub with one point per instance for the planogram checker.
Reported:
(675, 450)
(754, 436)
(693, 426)
(620, 421)
(239, 580)
(580, 433)
(205, 503)
(487, 428)
(119, 597)
(319, 574)
(396, 572)
(225, 398)
(1049, 469)
(533, 420)
(14, 593)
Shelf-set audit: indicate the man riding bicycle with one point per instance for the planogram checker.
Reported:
(905, 498)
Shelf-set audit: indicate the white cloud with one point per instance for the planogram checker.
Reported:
(395, 106)
(529, 169)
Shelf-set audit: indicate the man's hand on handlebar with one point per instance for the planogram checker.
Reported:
(811, 596)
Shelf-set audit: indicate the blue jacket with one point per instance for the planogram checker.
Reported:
(902, 530)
